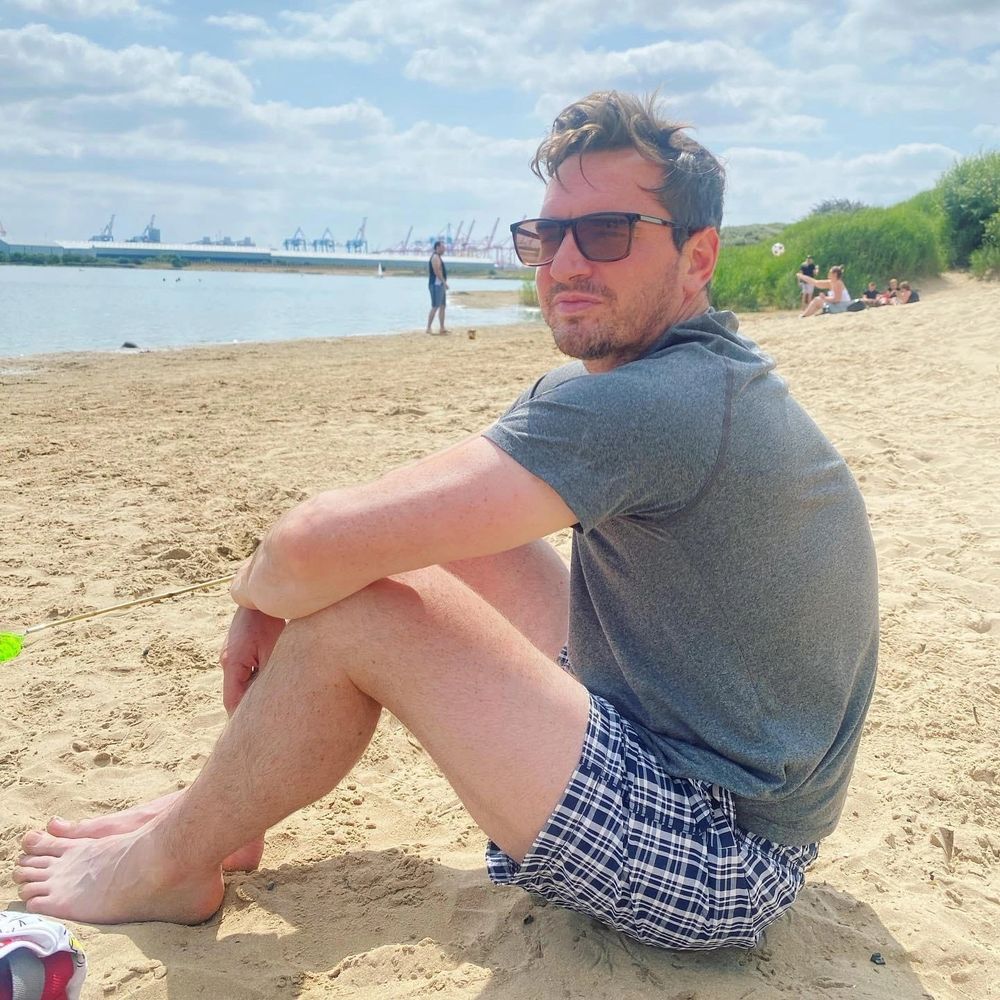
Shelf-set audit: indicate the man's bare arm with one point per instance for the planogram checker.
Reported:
(469, 501)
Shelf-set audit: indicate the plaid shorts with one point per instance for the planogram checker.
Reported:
(660, 859)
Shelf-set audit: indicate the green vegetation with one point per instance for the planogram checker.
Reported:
(985, 261)
(528, 294)
(970, 197)
(956, 223)
(741, 236)
(833, 206)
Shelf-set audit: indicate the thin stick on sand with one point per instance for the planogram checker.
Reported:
(12, 642)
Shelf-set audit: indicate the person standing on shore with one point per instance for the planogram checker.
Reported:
(807, 269)
(657, 736)
(437, 282)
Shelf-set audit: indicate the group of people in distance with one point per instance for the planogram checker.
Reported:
(898, 293)
(834, 296)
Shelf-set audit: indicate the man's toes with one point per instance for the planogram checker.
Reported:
(40, 843)
(32, 891)
(60, 827)
(33, 861)
(41, 903)
(23, 874)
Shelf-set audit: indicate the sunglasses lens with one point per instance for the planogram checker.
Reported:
(537, 240)
(604, 237)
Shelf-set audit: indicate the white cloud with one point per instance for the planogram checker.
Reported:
(38, 59)
(766, 127)
(238, 22)
(901, 157)
(988, 132)
(918, 26)
(91, 9)
(782, 186)
(43, 60)
(280, 115)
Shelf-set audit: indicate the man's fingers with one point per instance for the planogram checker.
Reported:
(235, 681)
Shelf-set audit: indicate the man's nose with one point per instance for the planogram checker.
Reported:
(568, 262)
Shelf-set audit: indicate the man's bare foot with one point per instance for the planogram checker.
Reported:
(115, 879)
(246, 859)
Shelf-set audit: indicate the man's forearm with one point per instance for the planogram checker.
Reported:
(306, 561)
(454, 508)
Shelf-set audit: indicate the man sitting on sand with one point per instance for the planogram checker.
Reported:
(656, 737)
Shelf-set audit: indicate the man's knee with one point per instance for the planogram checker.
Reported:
(389, 609)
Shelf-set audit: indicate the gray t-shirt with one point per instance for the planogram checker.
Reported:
(723, 580)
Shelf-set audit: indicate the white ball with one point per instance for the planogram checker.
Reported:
(777, 249)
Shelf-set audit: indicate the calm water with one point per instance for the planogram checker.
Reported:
(46, 309)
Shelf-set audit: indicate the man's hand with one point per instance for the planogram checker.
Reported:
(247, 648)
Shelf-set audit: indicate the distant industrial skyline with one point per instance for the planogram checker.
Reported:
(246, 120)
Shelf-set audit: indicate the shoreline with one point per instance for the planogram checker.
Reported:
(459, 333)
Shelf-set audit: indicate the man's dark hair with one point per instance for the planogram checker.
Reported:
(607, 120)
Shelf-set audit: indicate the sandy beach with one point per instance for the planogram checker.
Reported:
(130, 473)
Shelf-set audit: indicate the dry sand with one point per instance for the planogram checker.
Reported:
(130, 473)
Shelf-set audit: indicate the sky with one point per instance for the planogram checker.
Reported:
(256, 119)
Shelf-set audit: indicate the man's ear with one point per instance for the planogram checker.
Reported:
(701, 253)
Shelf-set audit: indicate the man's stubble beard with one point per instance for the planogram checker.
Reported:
(619, 337)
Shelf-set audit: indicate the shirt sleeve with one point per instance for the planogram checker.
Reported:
(632, 442)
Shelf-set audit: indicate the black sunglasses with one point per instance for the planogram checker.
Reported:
(601, 237)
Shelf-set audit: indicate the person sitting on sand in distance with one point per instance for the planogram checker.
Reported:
(836, 299)
(870, 296)
(888, 297)
(658, 735)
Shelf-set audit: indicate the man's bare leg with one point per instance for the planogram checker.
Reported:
(529, 586)
(502, 722)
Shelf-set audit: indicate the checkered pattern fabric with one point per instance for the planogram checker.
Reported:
(658, 858)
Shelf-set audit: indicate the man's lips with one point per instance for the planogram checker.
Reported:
(574, 302)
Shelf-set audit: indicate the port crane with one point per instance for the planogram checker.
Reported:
(297, 241)
(359, 244)
(488, 243)
(149, 235)
(468, 236)
(401, 247)
(326, 241)
(105, 235)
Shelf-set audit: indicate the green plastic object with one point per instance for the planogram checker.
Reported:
(10, 645)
